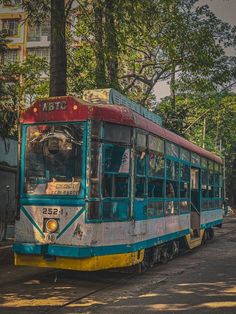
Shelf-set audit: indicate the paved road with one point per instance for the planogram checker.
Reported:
(202, 281)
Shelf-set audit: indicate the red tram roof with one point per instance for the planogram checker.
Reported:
(69, 108)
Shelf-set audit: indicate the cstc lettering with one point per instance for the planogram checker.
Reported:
(52, 106)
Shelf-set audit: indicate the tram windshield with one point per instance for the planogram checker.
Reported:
(53, 159)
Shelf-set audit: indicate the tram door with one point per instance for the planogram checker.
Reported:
(195, 202)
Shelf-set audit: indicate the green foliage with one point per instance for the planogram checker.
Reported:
(23, 82)
(154, 41)
(219, 112)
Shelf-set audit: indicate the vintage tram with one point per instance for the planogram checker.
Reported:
(106, 186)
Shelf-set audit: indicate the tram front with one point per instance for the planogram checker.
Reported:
(51, 215)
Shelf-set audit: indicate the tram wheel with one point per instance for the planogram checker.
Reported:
(164, 255)
(210, 233)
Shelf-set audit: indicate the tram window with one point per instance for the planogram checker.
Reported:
(171, 189)
(184, 154)
(194, 179)
(204, 177)
(115, 186)
(217, 192)
(220, 180)
(184, 189)
(117, 158)
(172, 169)
(195, 159)
(211, 165)
(172, 149)
(141, 162)
(95, 165)
(156, 164)
(156, 144)
(211, 178)
(94, 210)
(184, 172)
(54, 159)
(204, 162)
(155, 188)
(171, 208)
(115, 210)
(211, 191)
(140, 187)
(204, 191)
(117, 133)
(155, 209)
(96, 127)
(184, 207)
(217, 179)
(141, 141)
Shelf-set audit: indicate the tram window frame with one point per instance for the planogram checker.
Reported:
(156, 151)
(95, 159)
(117, 133)
(141, 149)
(52, 190)
(116, 194)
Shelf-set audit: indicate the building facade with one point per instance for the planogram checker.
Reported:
(24, 38)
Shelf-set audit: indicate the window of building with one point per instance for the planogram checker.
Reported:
(39, 52)
(11, 3)
(37, 31)
(10, 27)
(10, 56)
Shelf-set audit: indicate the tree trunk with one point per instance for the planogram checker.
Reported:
(111, 44)
(58, 64)
(100, 73)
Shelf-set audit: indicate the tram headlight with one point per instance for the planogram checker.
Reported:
(52, 225)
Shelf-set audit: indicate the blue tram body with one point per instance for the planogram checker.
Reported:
(101, 186)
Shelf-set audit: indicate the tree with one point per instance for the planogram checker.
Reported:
(56, 10)
(217, 133)
(22, 84)
(147, 42)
